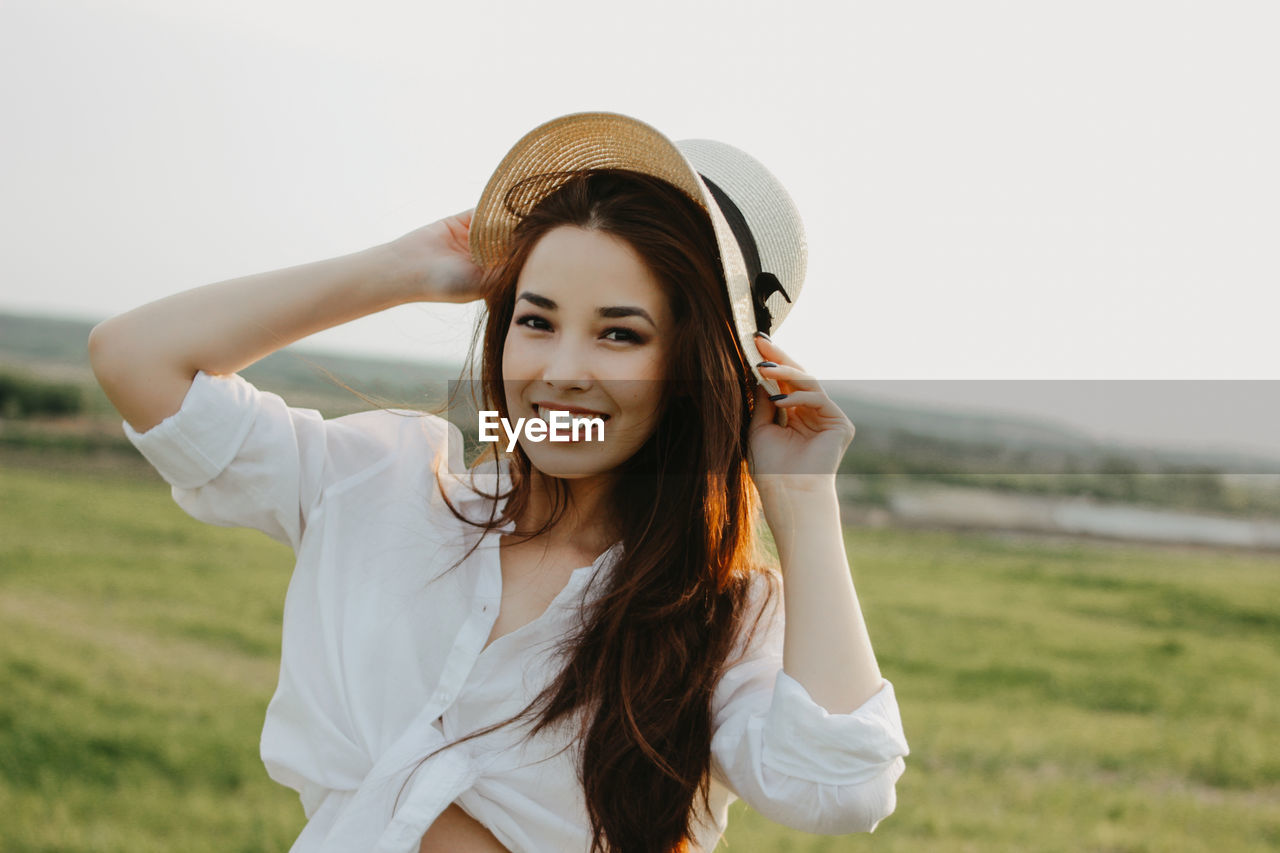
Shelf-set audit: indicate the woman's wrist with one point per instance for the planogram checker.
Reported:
(798, 508)
(402, 273)
(433, 263)
(785, 487)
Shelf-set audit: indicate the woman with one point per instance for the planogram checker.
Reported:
(574, 645)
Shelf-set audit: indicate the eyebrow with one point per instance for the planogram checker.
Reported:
(610, 312)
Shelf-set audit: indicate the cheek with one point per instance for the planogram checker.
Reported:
(513, 379)
(654, 386)
(647, 368)
(513, 357)
(643, 396)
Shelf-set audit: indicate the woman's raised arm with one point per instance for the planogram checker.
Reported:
(146, 359)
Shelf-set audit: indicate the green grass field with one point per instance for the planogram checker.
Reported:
(1056, 696)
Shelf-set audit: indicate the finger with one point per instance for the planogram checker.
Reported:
(458, 228)
(816, 400)
(794, 376)
(774, 353)
(764, 410)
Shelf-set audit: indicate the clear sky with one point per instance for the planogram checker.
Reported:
(1008, 190)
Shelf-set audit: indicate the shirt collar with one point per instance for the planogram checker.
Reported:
(594, 579)
(494, 477)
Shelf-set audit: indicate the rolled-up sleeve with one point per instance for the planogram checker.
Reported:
(791, 760)
(236, 456)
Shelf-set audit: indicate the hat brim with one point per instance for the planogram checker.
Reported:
(548, 155)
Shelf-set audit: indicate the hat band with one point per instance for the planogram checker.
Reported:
(763, 284)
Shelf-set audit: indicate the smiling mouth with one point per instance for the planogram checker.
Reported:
(575, 414)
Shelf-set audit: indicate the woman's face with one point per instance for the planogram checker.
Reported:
(590, 331)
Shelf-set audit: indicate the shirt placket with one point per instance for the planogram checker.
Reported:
(440, 780)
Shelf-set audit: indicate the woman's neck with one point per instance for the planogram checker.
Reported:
(582, 524)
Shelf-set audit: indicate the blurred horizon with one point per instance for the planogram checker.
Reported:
(1210, 416)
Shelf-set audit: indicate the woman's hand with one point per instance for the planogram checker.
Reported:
(437, 260)
(806, 452)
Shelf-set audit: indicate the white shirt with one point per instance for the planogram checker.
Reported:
(382, 659)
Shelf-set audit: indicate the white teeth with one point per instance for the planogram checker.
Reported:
(574, 416)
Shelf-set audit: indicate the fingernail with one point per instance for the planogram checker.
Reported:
(776, 397)
(763, 335)
(766, 364)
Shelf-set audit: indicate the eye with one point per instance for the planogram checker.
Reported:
(626, 335)
(533, 321)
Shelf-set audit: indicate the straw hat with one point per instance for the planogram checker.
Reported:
(757, 226)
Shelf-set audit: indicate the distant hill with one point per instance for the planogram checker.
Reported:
(56, 348)
(1006, 443)
(892, 437)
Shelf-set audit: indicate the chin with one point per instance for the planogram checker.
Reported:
(570, 463)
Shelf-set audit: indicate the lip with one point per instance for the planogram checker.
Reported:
(577, 410)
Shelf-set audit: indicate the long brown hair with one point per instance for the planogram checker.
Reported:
(641, 668)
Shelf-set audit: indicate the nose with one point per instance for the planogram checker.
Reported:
(568, 364)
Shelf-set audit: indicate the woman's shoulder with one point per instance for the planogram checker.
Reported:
(394, 439)
(409, 444)
(240, 456)
(328, 450)
(402, 429)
